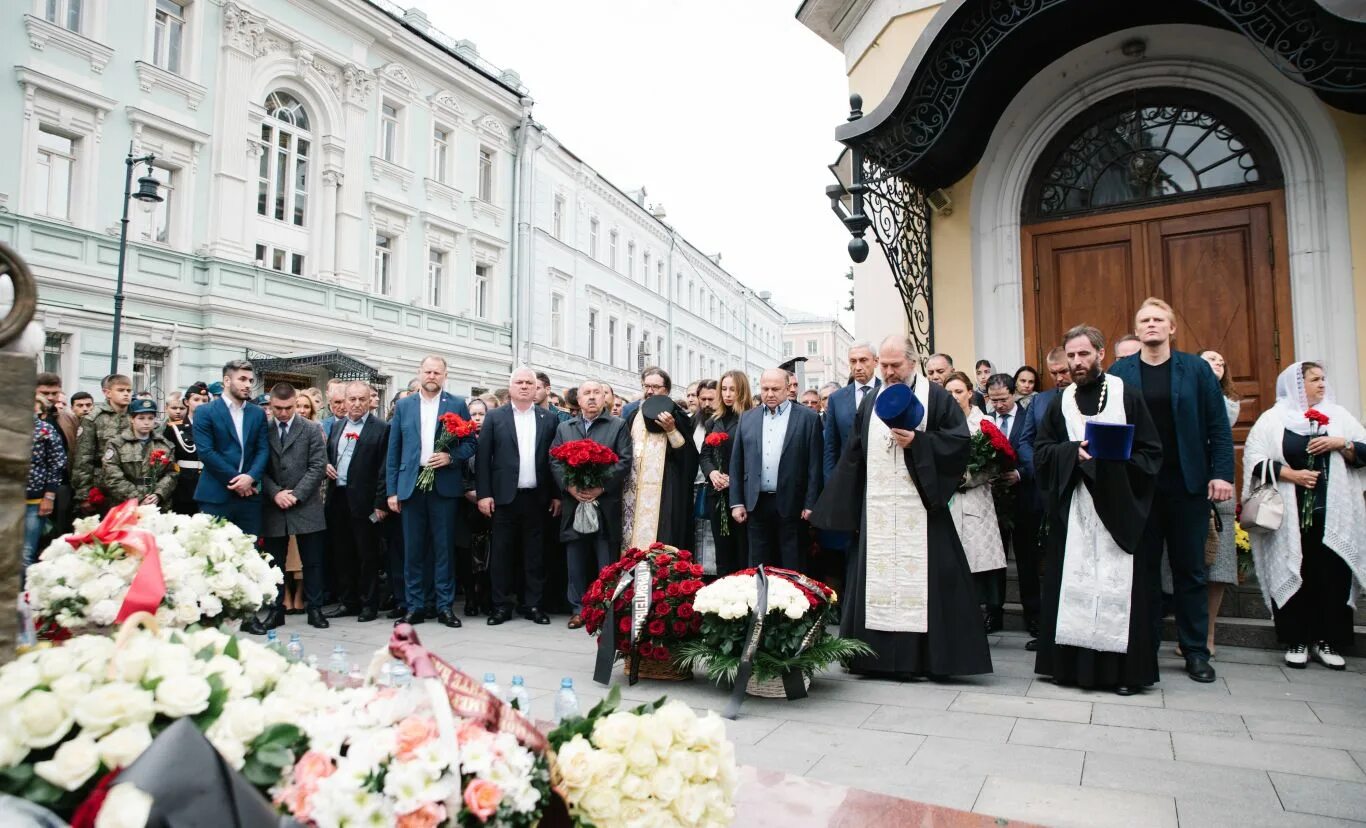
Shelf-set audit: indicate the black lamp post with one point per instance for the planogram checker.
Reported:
(147, 192)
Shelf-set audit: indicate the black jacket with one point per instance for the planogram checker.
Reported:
(365, 475)
(498, 463)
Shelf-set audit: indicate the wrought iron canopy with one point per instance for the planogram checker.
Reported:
(341, 365)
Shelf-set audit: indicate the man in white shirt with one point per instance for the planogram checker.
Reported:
(230, 439)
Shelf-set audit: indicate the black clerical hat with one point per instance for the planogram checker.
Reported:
(791, 365)
(652, 407)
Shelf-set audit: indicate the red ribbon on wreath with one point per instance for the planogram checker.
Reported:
(120, 527)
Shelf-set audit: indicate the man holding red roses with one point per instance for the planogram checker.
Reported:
(589, 553)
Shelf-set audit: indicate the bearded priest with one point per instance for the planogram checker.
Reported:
(1096, 458)
(909, 592)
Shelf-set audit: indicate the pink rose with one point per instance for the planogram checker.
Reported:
(313, 767)
(482, 798)
(411, 734)
(430, 815)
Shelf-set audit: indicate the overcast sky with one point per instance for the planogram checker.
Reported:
(724, 110)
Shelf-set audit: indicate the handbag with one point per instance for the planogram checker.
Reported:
(1264, 508)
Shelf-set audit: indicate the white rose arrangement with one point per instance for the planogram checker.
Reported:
(213, 573)
(71, 714)
(659, 764)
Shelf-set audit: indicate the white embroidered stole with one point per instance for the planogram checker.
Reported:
(896, 539)
(1097, 575)
(644, 487)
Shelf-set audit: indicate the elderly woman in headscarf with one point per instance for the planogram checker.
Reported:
(1312, 567)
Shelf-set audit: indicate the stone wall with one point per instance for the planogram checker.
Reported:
(20, 343)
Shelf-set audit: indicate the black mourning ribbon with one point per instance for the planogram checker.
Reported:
(607, 636)
(753, 635)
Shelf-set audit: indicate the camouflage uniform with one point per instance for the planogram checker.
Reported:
(127, 475)
(99, 427)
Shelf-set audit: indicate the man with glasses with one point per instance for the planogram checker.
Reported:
(658, 500)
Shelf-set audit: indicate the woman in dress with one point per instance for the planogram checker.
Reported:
(180, 432)
(974, 516)
(733, 399)
(1026, 385)
(1221, 554)
(1314, 565)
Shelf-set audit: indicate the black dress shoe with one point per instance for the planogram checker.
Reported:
(316, 619)
(1125, 690)
(471, 610)
(367, 614)
(253, 626)
(536, 615)
(275, 619)
(499, 616)
(338, 611)
(1197, 667)
(993, 624)
(396, 613)
(295, 611)
(447, 619)
(412, 618)
(1032, 645)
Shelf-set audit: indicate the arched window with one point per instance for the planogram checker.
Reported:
(1145, 146)
(282, 187)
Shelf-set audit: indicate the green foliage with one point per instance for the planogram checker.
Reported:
(272, 753)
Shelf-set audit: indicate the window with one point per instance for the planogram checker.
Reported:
(157, 222)
(612, 250)
(678, 288)
(659, 349)
(691, 306)
(167, 34)
(282, 181)
(388, 132)
(692, 361)
(56, 166)
(54, 346)
(481, 291)
(556, 321)
(630, 343)
(486, 174)
(678, 359)
(277, 258)
(631, 260)
(593, 238)
(592, 334)
(659, 277)
(811, 347)
(441, 154)
(612, 341)
(149, 369)
(711, 309)
(65, 13)
(557, 218)
(436, 276)
(645, 268)
(787, 349)
(384, 264)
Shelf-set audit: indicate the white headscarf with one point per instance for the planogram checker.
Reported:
(1292, 401)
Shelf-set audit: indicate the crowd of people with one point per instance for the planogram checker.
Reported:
(402, 511)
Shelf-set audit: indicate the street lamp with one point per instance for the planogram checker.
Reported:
(146, 193)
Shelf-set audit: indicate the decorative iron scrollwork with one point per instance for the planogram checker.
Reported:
(900, 215)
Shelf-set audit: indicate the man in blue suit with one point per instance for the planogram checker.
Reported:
(840, 411)
(428, 516)
(775, 474)
(1028, 500)
(1187, 407)
(230, 439)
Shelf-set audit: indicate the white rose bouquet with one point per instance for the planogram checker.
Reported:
(74, 713)
(211, 569)
(659, 764)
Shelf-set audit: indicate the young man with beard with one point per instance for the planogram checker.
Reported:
(230, 439)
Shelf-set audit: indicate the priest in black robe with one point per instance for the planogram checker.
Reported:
(657, 502)
(1097, 626)
(908, 591)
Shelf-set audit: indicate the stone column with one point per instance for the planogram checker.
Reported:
(235, 151)
(327, 264)
(20, 343)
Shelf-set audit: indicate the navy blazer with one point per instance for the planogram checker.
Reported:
(1204, 440)
(215, 440)
(405, 449)
(840, 414)
(499, 462)
(799, 468)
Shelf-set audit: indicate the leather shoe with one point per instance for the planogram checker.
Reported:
(498, 616)
(448, 619)
(1032, 645)
(274, 619)
(1197, 667)
(411, 618)
(575, 622)
(535, 614)
(367, 614)
(341, 611)
(1125, 690)
(396, 613)
(253, 626)
(315, 619)
(471, 610)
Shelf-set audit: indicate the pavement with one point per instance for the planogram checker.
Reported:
(1262, 745)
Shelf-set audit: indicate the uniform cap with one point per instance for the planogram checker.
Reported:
(216, 389)
(142, 406)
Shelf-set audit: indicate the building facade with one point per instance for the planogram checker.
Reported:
(1022, 167)
(825, 343)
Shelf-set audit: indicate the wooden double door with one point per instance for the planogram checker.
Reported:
(1219, 262)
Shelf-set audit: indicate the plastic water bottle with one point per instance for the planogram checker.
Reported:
(491, 685)
(273, 642)
(294, 651)
(337, 665)
(566, 703)
(519, 697)
(27, 636)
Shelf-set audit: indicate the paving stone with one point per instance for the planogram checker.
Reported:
(1023, 707)
(1179, 779)
(1129, 741)
(1073, 805)
(782, 758)
(1205, 813)
(940, 723)
(1239, 705)
(961, 756)
(1349, 715)
(748, 730)
(1271, 756)
(1317, 674)
(1325, 797)
(831, 711)
(1048, 690)
(1150, 718)
(1299, 691)
(919, 694)
(1253, 672)
(937, 788)
(994, 684)
(1303, 733)
(873, 746)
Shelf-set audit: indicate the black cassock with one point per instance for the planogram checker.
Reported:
(956, 642)
(676, 522)
(1123, 493)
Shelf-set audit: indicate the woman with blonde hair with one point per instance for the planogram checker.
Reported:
(311, 405)
(974, 515)
(733, 398)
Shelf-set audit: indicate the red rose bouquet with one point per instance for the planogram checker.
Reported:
(158, 463)
(653, 628)
(1318, 422)
(990, 456)
(716, 444)
(453, 428)
(585, 464)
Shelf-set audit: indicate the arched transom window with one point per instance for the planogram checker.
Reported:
(1146, 146)
(286, 144)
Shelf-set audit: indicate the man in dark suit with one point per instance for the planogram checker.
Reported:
(1187, 407)
(1006, 414)
(775, 473)
(515, 490)
(1028, 500)
(293, 504)
(841, 408)
(230, 438)
(588, 554)
(429, 515)
(357, 449)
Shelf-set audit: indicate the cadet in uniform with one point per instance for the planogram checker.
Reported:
(188, 464)
(139, 464)
(104, 423)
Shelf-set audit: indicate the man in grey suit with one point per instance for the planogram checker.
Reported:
(588, 554)
(292, 486)
(775, 473)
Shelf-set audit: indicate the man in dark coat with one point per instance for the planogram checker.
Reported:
(908, 592)
(657, 504)
(589, 553)
(357, 448)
